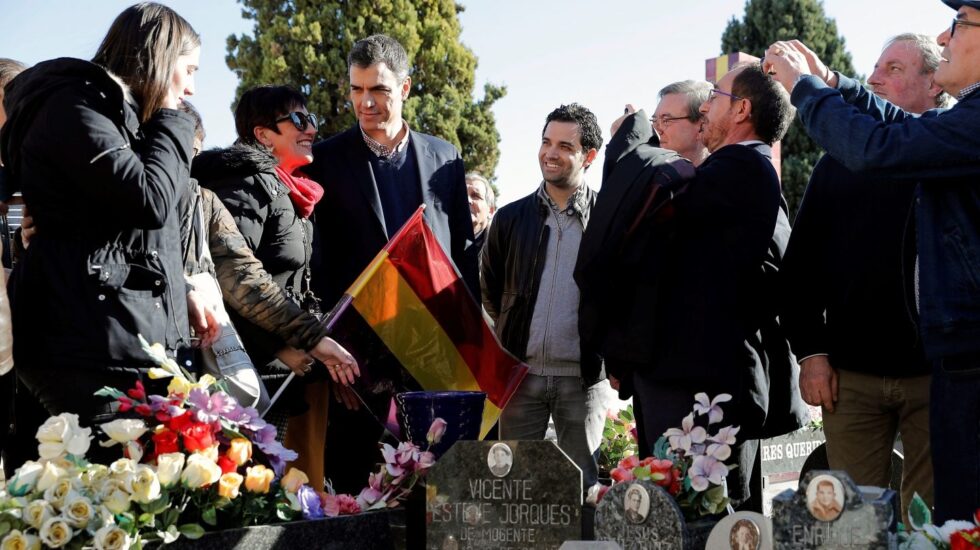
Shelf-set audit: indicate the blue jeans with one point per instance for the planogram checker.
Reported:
(954, 423)
(578, 413)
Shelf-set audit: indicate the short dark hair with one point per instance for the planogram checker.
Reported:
(772, 112)
(588, 127)
(261, 106)
(380, 48)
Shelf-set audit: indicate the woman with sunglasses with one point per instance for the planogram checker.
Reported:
(260, 182)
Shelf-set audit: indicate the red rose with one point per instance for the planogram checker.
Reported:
(143, 410)
(178, 423)
(630, 462)
(125, 404)
(965, 540)
(675, 484)
(646, 461)
(227, 465)
(665, 469)
(620, 475)
(165, 441)
(197, 436)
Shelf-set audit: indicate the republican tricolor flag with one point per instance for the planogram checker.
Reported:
(415, 302)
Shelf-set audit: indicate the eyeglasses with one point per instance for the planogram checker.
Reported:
(664, 121)
(711, 95)
(952, 28)
(300, 120)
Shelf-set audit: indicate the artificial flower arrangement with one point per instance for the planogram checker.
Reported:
(688, 462)
(618, 439)
(194, 460)
(921, 534)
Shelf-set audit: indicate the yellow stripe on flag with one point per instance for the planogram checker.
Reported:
(414, 336)
(722, 67)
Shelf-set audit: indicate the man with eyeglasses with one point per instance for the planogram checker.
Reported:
(375, 175)
(696, 296)
(854, 328)
(938, 151)
(677, 118)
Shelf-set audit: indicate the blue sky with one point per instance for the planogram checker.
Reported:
(547, 52)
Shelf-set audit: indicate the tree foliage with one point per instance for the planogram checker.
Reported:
(765, 22)
(304, 43)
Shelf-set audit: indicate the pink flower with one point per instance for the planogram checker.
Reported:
(620, 475)
(368, 497)
(686, 435)
(629, 462)
(426, 460)
(706, 470)
(436, 431)
(711, 407)
(339, 505)
(719, 451)
(391, 461)
(726, 435)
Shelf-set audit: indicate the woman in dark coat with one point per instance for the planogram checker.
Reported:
(259, 181)
(101, 155)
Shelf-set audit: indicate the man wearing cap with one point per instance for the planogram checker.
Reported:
(940, 151)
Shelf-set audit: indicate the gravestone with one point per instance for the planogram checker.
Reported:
(829, 511)
(639, 515)
(503, 494)
(590, 545)
(741, 531)
(782, 459)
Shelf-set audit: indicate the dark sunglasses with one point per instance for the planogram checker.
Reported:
(300, 120)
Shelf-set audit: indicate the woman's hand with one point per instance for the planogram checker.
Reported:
(27, 229)
(340, 363)
(200, 312)
(296, 359)
(345, 395)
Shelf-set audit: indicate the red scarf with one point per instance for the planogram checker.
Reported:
(304, 192)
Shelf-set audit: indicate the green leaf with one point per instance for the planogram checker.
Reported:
(169, 517)
(107, 391)
(170, 535)
(145, 519)
(919, 513)
(209, 516)
(192, 530)
(5, 527)
(156, 506)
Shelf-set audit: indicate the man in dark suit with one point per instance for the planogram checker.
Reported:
(374, 176)
(698, 283)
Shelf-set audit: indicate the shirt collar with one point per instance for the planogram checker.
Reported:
(967, 91)
(578, 203)
(383, 151)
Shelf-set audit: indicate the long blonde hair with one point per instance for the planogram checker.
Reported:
(142, 47)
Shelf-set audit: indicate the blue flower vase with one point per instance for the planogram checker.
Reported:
(462, 411)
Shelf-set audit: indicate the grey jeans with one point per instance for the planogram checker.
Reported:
(579, 415)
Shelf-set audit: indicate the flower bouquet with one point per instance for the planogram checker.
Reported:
(688, 462)
(921, 534)
(192, 460)
(618, 439)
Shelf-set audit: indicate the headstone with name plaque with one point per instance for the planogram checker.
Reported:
(503, 495)
(741, 531)
(639, 515)
(829, 511)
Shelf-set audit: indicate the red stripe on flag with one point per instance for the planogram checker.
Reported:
(423, 264)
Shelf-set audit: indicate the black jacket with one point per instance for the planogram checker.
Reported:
(698, 275)
(852, 258)
(350, 224)
(244, 178)
(512, 263)
(105, 264)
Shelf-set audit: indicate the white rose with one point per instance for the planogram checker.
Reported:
(94, 475)
(144, 485)
(25, 478)
(115, 499)
(16, 540)
(78, 510)
(37, 512)
(57, 493)
(169, 466)
(62, 434)
(50, 475)
(122, 469)
(111, 537)
(56, 532)
(200, 471)
(123, 430)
